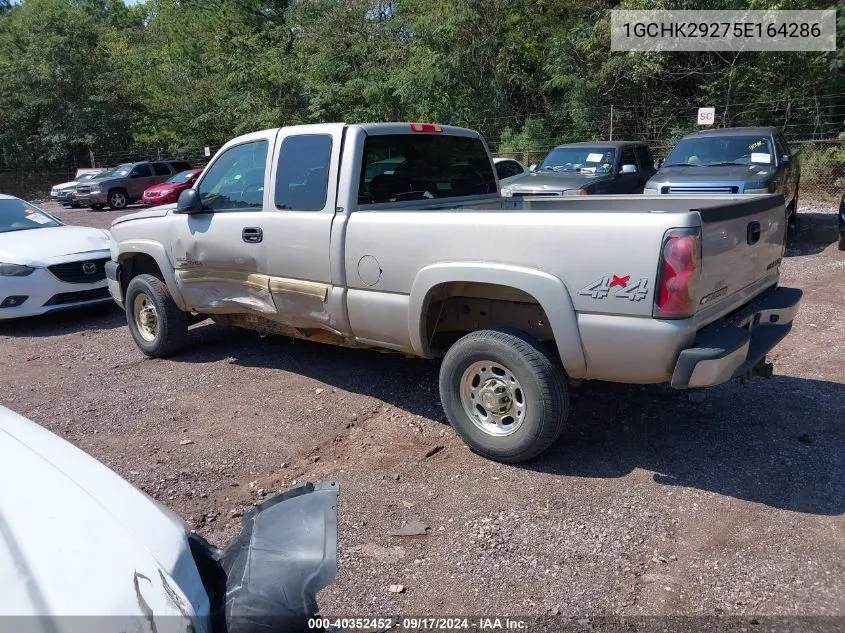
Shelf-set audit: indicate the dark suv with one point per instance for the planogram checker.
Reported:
(126, 183)
(582, 169)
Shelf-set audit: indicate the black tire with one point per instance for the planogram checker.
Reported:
(842, 241)
(118, 199)
(539, 379)
(170, 331)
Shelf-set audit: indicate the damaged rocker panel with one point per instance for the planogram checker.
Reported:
(259, 281)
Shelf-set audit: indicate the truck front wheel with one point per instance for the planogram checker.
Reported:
(158, 326)
(503, 394)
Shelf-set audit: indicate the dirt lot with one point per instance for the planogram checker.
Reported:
(650, 503)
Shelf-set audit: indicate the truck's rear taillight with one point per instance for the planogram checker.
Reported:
(678, 274)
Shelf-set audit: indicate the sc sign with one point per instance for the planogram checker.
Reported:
(706, 116)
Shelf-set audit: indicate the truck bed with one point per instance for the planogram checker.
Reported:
(584, 242)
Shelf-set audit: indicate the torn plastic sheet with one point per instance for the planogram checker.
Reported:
(266, 579)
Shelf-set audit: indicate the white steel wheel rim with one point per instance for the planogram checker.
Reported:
(146, 317)
(493, 398)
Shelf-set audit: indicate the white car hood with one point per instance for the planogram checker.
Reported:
(44, 246)
(66, 185)
(76, 539)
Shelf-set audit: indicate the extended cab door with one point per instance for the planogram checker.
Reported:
(219, 254)
(298, 222)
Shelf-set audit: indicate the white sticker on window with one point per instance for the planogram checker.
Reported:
(594, 158)
(38, 218)
(760, 157)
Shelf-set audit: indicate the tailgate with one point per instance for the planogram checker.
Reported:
(742, 245)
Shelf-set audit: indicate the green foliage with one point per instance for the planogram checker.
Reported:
(177, 75)
(823, 169)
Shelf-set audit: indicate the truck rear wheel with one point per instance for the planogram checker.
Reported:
(503, 394)
(158, 326)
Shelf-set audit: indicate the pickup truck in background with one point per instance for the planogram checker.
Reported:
(730, 161)
(587, 169)
(289, 231)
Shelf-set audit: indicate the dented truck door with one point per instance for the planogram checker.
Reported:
(219, 253)
(297, 228)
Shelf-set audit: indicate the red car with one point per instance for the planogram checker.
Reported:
(169, 191)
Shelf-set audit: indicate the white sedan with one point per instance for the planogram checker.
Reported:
(46, 265)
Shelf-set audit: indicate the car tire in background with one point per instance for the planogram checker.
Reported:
(118, 199)
(842, 241)
(158, 327)
(504, 394)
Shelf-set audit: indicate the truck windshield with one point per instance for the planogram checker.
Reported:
(17, 215)
(593, 160)
(401, 167)
(721, 150)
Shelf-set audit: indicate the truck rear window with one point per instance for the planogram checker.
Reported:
(402, 167)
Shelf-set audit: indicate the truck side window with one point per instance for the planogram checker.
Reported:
(645, 160)
(302, 175)
(627, 157)
(236, 179)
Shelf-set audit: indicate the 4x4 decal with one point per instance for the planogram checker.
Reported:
(624, 288)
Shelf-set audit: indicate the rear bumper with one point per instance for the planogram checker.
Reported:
(730, 348)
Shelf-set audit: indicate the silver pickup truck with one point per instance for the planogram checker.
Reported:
(289, 231)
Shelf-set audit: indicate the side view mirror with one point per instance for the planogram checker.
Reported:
(628, 169)
(658, 162)
(189, 202)
(533, 167)
(134, 174)
(786, 159)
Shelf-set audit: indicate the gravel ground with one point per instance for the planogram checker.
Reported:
(650, 503)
